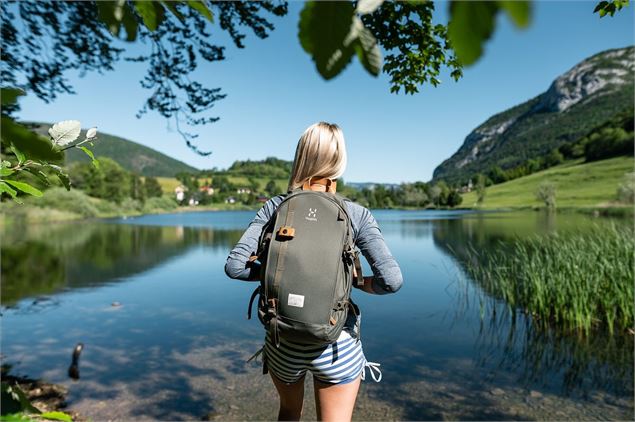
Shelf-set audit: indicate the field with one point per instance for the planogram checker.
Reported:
(169, 183)
(578, 185)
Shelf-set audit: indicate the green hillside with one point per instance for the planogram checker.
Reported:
(130, 155)
(587, 96)
(578, 185)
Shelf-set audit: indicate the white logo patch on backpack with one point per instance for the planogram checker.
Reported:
(296, 300)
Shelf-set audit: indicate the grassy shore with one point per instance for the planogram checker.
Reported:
(577, 281)
(578, 185)
(58, 205)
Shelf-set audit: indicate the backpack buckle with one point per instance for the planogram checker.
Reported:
(285, 232)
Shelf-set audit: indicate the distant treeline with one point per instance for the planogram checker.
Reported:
(112, 182)
(268, 177)
(611, 139)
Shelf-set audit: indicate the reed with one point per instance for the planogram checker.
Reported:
(577, 281)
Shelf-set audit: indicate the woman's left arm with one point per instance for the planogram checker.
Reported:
(236, 265)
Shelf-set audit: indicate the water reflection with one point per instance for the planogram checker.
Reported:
(42, 260)
(508, 339)
(176, 347)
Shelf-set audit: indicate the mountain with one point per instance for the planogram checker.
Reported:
(589, 94)
(130, 155)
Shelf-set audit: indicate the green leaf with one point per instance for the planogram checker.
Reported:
(323, 32)
(10, 95)
(601, 5)
(65, 132)
(131, 25)
(24, 187)
(66, 181)
(13, 194)
(57, 416)
(171, 6)
(151, 13)
(471, 24)
(5, 171)
(518, 11)
(90, 154)
(365, 7)
(15, 417)
(106, 14)
(18, 154)
(367, 49)
(14, 398)
(201, 7)
(34, 146)
(39, 174)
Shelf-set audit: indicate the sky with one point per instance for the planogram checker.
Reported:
(274, 93)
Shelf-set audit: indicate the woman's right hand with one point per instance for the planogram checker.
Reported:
(368, 285)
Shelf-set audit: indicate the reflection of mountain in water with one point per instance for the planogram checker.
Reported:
(508, 339)
(43, 260)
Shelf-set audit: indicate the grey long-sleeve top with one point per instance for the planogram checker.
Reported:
(387, 276)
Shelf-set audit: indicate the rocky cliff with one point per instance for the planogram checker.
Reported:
(577, 101)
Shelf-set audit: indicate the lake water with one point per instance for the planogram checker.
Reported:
(177, 344)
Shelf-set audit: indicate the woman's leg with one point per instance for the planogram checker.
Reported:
(291, 398)
(335, 402)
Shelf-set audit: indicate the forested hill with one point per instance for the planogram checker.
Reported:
(592, 93)
(130, 155)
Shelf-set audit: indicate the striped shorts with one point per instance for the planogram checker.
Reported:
(338, 363)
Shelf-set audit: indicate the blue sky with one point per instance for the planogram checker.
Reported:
(274, 93)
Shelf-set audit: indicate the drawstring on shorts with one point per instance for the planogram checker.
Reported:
(372, 367)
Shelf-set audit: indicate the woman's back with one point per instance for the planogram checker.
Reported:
(366, 234)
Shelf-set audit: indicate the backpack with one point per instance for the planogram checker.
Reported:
(307, 262)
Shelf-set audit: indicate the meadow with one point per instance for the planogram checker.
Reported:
(578, 185)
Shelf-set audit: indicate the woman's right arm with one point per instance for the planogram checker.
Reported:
(238, 259)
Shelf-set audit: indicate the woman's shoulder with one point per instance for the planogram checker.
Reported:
(359, 214)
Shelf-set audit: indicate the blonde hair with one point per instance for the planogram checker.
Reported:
(321, 152)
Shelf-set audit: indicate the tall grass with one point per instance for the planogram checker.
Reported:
(577, 281)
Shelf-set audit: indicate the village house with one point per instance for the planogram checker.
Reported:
(179, 191)
(243, 190)
(209, 190)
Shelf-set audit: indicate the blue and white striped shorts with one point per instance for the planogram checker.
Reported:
(338, 363)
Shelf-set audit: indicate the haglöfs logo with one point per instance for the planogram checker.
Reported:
(312, 215)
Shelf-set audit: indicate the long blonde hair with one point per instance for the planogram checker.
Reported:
(321, 152)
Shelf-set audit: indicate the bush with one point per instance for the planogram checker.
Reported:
(626, 189)
(74, 201)
(609, 142)
(159, 204)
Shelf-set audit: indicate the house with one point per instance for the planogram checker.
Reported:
(193, 202)
(230, 200)
(179, 191)
(467, 188)
(207, 190)
(262, 199)
(243, 190)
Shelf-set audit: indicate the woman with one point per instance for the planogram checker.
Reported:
(321, 154)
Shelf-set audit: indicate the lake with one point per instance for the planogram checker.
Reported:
(176, 341)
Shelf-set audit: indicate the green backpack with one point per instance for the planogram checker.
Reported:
(308, 262)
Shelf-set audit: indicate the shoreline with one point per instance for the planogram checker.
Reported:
(42, 215)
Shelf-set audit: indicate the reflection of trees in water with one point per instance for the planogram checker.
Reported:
(578, 364)
(45, 260)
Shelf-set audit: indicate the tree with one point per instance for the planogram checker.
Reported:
(42, 41)
(152, 187)
(271, 188)
(479, 186)
(546, 193)
(454, 198)
(137, 188)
